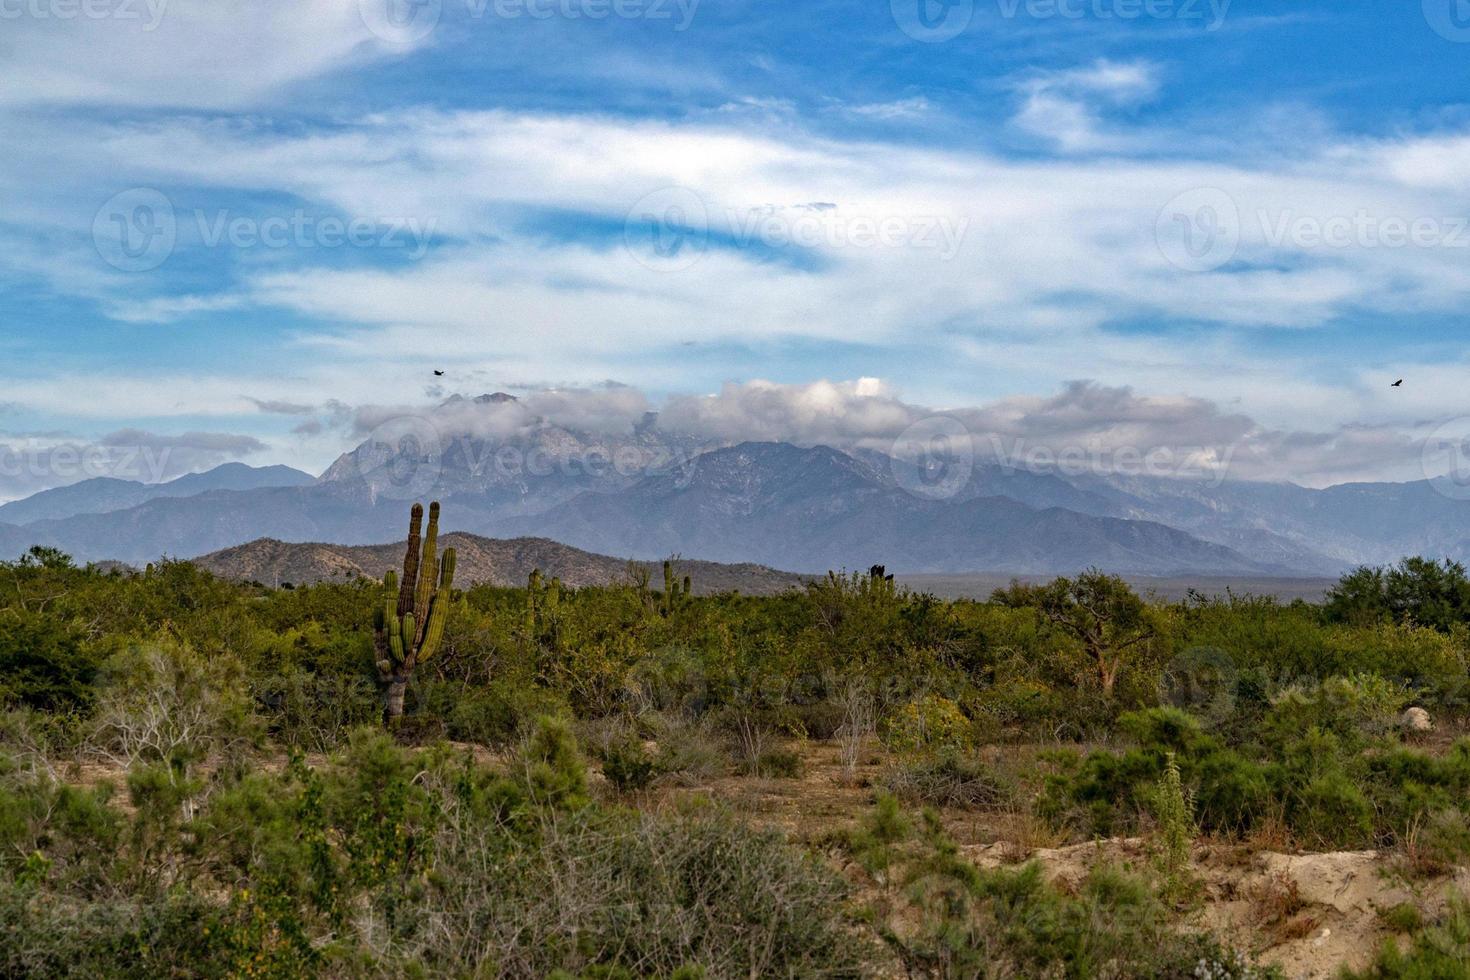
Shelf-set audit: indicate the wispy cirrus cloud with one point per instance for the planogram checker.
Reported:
(1067, 106)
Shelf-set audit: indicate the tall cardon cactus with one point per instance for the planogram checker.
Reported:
(410, 624)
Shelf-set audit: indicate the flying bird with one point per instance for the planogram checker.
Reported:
(438, 374)
(1397, 384)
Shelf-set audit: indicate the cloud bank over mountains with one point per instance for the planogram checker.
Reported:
(1086, 427)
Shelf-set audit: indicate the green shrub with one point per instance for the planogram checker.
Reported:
(931, 723)
(628, 765)
(45, 662)
(316, 711)
(1403, 917)
(1173, 811)
(687, 751)
(1331, 812)
(778, 762)
(1442, 951)
(1012, 923)
(168, 704)
(1354, 709)
(74, 830)
(552, 766)
(497, 714)
(135, 939)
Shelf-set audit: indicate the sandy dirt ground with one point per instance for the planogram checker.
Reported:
(1310, 914)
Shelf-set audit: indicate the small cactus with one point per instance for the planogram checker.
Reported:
(675, 594)
(543, 599)
(410, 625)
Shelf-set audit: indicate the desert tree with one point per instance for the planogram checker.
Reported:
(1098, 610)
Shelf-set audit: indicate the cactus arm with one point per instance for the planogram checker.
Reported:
(411, 561)
(432, 630)
(406, 633)
(438, 612)
(395, 640)
(428, 569)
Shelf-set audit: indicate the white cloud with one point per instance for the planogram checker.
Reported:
(1096, 427)
(911, 108)
(978, 239)
(180, 53)
(1065, 107)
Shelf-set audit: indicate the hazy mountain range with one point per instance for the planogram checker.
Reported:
(643, 494)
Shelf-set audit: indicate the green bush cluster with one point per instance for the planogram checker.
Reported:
(1222, 715)
(388, 860)
(1322, 763)
(1026, 665)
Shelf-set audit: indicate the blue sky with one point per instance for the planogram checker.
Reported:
(239, 230)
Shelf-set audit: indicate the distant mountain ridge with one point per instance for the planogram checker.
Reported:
(644, 493)
(105, 494)
(479, 560)
(819, 508)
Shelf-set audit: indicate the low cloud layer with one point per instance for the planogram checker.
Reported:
(1085, 428)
